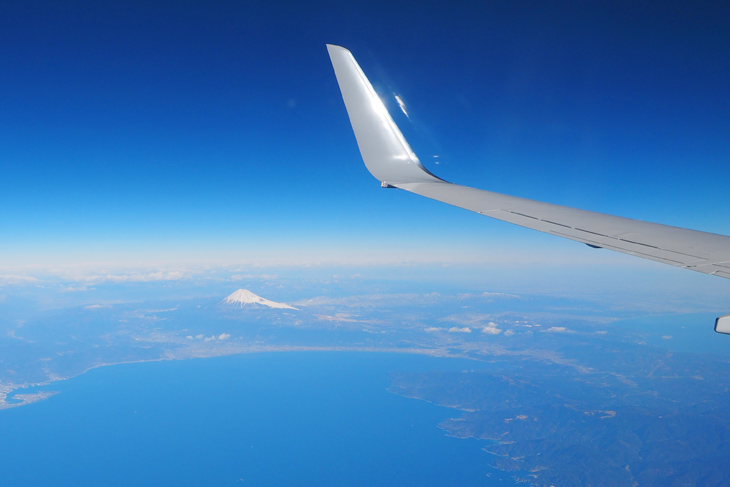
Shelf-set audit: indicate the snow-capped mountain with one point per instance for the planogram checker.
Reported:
(244, 297)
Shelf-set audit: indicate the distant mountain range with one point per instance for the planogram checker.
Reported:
(245, 298)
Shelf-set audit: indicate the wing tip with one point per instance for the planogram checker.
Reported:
(722, 324)
(331, 47)
(384, 149)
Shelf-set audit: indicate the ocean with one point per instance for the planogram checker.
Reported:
(269, 419)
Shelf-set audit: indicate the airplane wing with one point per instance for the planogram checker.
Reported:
(391, 160)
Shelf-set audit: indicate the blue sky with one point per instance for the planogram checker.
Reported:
(214, 132)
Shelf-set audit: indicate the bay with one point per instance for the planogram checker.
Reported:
(288, 418)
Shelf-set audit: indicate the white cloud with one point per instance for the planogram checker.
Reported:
(89, 274)
(456, 329)
(97, 306)
(137, 277)
(241, 277)
(557, 329)
(16, 279)
(667, 337)
(491, 330)
(370, 300)
(432, 328)
(498, 295)
(213, 338)
(74, 289)
(473, 320)
(509, 333)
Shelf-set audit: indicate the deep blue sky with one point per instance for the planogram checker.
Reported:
(215, 131)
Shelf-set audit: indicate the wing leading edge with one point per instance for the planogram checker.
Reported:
(391, 160)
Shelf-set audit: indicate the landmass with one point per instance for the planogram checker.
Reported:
(24, 399)
(560, 397)
(651, 421)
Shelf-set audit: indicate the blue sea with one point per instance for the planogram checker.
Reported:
(270, 419)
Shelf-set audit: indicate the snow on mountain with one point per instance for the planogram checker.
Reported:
(244, 297)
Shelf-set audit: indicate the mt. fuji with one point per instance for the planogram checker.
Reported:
(244, 297)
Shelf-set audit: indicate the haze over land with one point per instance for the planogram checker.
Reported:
(557, 381)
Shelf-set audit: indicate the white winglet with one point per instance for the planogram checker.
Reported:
(385, 151)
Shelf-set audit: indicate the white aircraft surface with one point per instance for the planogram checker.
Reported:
(391, 160)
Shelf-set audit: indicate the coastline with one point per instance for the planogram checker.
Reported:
(9, 392)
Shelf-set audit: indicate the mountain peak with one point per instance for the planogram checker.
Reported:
(244, 297)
